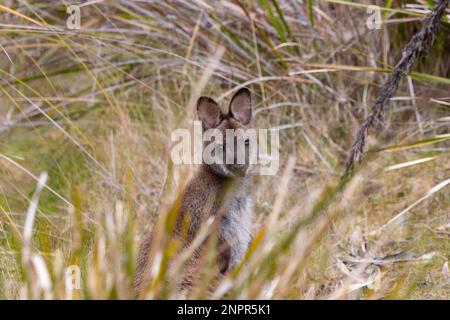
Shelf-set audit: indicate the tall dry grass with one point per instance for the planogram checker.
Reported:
(85, 123)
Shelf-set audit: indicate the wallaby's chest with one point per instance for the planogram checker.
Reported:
(236, 226)
(204, 198)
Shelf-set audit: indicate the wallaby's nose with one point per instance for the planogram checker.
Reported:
(240, 169)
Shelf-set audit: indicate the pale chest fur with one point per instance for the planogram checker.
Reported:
(236, 226)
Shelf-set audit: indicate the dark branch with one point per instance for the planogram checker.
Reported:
(418, 46)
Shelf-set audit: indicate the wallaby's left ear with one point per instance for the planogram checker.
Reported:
(241, 106)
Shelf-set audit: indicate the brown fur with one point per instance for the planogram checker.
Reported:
(219, 190)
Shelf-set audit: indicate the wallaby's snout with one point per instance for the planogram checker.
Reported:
(230, 150)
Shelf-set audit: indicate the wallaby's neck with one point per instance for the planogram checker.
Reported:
(224, 184)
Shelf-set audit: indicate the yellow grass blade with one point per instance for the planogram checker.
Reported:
(2, 7)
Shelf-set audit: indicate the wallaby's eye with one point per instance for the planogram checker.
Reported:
(247, 141)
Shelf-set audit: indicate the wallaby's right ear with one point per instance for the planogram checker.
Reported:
(241, 106)
(209, 112)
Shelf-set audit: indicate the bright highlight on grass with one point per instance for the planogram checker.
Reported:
(87, 114)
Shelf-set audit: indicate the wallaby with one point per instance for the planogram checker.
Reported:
(221, 190)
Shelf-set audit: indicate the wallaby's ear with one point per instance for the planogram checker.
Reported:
(241, 106)
(209, 112)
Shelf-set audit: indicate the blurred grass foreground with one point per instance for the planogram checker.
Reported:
(91, 91)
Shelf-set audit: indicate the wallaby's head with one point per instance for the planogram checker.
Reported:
(233, 146)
